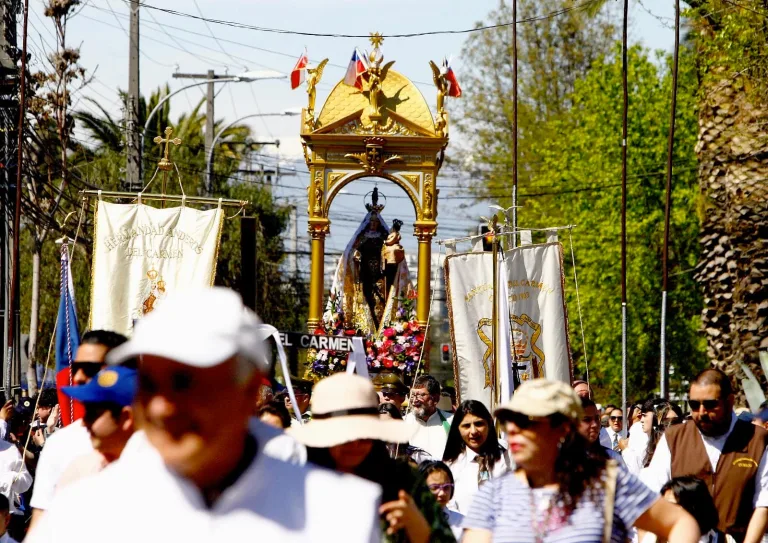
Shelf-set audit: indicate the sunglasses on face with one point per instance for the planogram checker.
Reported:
(709, 405)
(447, 487)
(90, 369)
(522, 421)
(615, 418)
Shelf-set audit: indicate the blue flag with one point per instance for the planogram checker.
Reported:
(67, 330)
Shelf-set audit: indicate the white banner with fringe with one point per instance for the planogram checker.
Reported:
(141, 254)
(537, 311)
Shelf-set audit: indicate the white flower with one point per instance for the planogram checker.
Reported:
(399, 327)
(322, 355)
(401, 339)
(378, 344)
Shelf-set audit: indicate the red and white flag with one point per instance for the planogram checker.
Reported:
(357, 66)
(298, 72)
(454, 90)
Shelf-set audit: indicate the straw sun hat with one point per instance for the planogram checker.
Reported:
(345, 408)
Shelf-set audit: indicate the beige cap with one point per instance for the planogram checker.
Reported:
(542, 398)
(345, 408)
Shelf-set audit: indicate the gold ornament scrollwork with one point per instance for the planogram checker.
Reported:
(313, 78)
(429, 198)
(317, 193)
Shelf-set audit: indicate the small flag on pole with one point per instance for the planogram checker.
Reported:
(454, 90)
(67, 340)
(357, 66)
(299, 71)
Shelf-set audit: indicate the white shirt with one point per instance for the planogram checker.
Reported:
(5, 538)
(14, 477)
(272, 501)
(278, 444)
(660, 469)
(455, 520)
(64, 446)
(465, 471)
(431, 435)
(634, 453)
(610, 432)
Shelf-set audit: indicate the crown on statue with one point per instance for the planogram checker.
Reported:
(374, 205)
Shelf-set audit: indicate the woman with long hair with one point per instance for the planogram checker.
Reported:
(657, 416)
(473, 452)
(559, 491)
(347, 434)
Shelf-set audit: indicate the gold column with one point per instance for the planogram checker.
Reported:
(424, 230)
(318, 228)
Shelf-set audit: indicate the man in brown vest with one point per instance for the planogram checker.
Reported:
(726, 453)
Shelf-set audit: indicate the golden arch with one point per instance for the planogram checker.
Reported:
(385, 130)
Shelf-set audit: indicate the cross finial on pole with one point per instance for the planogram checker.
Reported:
(376, 39)
(165, 164)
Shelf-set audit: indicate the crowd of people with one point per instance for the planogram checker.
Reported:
(187, 437)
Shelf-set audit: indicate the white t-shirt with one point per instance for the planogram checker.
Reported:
(455, 521)
(271, 501)
(14, 477)
(64, 446)
(431, 435)
(660, 469)
(465, 473)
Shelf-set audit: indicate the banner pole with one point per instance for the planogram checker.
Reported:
(495, 313)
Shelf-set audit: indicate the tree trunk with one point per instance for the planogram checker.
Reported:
(733, 270)
(33, 321)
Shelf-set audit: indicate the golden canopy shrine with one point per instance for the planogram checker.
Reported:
(384, 129)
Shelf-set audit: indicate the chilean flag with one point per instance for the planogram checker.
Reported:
(357, 66)
(298, 72)
(454, 90)
(67, 341)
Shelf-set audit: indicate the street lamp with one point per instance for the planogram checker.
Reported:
(292, 112)
(245, 77)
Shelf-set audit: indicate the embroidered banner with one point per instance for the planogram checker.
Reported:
(469, 295)
(141, 254)
(538, 315)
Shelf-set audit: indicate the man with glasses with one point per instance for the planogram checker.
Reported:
(432, 423)
(726, 453)
(73, 441)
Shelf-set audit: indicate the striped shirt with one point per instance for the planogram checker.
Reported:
(504, 507)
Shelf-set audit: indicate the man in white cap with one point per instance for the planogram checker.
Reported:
(204, 476)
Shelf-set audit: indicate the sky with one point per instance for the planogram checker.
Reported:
(172, 43)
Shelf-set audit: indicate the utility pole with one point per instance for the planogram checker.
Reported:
(9, 114)
(133, 165)
(210, 96)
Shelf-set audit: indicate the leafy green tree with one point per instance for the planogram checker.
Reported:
(578, 182)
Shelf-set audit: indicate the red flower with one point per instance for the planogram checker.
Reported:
(319, 332)
(412, 295)
(350, 332)
(389, 332)
(420, 337)
(386, 345)
(387, 362)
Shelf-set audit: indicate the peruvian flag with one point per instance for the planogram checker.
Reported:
(297, 74)
(67, 341)
(454, 90)
(357, 66)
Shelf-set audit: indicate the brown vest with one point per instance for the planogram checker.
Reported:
(732, 486)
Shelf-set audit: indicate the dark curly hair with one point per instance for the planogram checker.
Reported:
(578, 472)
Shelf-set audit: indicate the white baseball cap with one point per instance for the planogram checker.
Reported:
(199, 328)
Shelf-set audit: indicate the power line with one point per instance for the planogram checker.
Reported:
(481, 28)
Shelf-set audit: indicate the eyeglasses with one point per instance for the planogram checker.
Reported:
(521, 421)
(447, 487)
(421, 395)
(709, 405)
(615, 418)
(90, 369)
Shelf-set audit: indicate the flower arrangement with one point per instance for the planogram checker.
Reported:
(397, 349)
